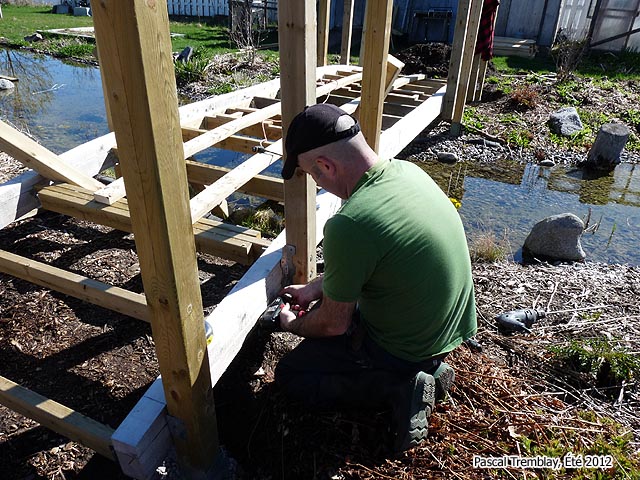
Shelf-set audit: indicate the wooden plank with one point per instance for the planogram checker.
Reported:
(213, 237)
(455, 62)
(57, 417)
(347, 31)
(78, 286)
(473, 78)
(405, 130)
(378, 32)
(235, 143)
(482, 72)
(323, 31)
(140, 440)
(466, 63)
(264, 186)
(296, 30)
(394, 66)
(215, 193)
(135, 48)
(259, 130)
(45, 162)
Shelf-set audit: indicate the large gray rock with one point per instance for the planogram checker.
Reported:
(6, 84)
(565, 121)
(557, 238)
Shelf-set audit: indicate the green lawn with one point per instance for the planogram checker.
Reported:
(20, 21)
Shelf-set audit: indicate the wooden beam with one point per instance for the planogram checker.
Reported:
(215, 193)
(455, 62)
(78, 286)
(259, 130)
(347, 31)
(394, 66)
(377, 37)
(135, 48)
(466, 64)
(407, 128)
(324, 14)
(264, 186)
(45, 162)
(228, 241)
(296, 29)
(57, 417)
(142, 441)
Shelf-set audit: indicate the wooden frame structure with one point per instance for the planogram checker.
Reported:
(152, 142)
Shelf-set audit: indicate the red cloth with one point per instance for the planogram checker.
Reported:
(484, 44)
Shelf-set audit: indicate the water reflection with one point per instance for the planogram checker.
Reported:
(509, 198)
(60, 103)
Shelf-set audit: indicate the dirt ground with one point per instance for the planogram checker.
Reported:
(520, 396)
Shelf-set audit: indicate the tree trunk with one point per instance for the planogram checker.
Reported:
(605, 152)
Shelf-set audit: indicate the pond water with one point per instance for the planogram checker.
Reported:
(62, 105)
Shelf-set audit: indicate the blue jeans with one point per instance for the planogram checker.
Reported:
(349, 370)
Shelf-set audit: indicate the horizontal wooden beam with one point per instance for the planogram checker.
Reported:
(264, 129)
(45, 162)
(235, 143)
(217, 238)
(57, 417)
(264, 186)
(394, 139)
(78, 286)
(215, 193)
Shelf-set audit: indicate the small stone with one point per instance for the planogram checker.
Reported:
(547, 163)
(447, 157)
(565, 121)
(557, 238)
(36, 37)
(6, 84)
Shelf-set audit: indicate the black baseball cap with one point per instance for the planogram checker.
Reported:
(315, 126)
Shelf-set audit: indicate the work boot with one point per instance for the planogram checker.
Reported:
(411, 411)
(445, 376)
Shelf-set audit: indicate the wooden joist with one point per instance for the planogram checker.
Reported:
(78, 286)
(217, 238)
(57, 417)
(45, 162)
(214, 194)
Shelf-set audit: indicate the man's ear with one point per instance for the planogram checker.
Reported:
(326, 165)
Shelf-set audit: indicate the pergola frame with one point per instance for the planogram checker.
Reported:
(154, 142)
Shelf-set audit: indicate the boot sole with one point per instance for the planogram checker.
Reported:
(422, 403)
(445, 377)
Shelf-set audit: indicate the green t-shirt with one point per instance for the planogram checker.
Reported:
(398, 248)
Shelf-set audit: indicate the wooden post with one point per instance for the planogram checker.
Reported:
(378, 21)
(324, 14)
(465, 65)
(296, 22)
(135, 50)
(457, 48)
(347, 30)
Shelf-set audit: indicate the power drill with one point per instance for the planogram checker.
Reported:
(518, 320)
(270, 318)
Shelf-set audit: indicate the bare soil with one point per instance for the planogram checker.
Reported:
(516, 397)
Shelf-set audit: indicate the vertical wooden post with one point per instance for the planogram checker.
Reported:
(296, 27)
(323, 31)
(135, 50)
(378, 21)
(473, 78)
(347, 30)
(457, 48)
(482, 72)
(364, 33)
(465, 65)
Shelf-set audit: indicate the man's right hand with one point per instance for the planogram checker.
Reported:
(303, 295)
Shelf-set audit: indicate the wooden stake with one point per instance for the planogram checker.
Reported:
(135, 49)
(455, 63)
(296, 21)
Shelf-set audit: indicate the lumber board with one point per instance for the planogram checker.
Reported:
(264, 186)
(259, 130)
(213, 237)
(406, 129)
(45, 162)
(135, 49)
(466, 64)
(77, 286)
(141, 440)
(376, 38)
(323, 31)
(455, 61)
(394, 66)
(215, 193)
(296, 31)
(235, 143)
(57, 417)
(347, 32)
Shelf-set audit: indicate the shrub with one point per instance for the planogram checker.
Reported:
(524, 97)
